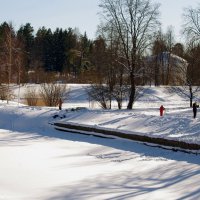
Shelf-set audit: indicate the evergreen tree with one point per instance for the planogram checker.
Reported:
(25, 34)
(71, 41)
(58, 50)
(43, 48)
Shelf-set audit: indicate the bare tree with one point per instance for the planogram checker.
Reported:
(9, 54)
(191, 29)
(112, 80)
(187, 91)
(7, 47)
(184, 71)
(119, 93)
(193, 72)
(11, 58)
(134, 21)
(169, 37)
(192, 26)
(158, 47)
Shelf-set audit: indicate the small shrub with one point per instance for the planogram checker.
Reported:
(31, 96)
(5, 93)
(52, 92)
(100, 94)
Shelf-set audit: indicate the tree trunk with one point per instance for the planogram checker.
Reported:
(132, 92)
(119, 105)
(156, 72)
(190, 102)
(191, 96)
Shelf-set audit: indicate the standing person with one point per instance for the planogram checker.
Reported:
(60, 104)
(194, 107)
(161, 110)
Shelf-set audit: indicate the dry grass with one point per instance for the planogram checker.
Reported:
(40, 102)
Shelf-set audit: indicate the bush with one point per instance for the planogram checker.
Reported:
(100, 94)
(52, 92)
(31, 96)
(5, 93)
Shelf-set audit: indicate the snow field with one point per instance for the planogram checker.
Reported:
(41, 163)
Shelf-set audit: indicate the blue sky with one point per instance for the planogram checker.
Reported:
(52, 14)
(78, 13)
(172, 11)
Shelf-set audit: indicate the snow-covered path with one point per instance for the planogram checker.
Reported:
(40, 163)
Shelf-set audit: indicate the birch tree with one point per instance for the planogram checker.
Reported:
(7, 54)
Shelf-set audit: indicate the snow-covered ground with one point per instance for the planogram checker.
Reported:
(41, 163)
(176, 124)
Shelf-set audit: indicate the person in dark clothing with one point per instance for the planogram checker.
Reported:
(60, 104)
(195, 106)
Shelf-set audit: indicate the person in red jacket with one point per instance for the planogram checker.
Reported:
(161, 110)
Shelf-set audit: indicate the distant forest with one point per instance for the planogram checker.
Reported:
(45, 50)
(75, 57)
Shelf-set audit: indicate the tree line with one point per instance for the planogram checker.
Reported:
(63, 51)
(127, 53)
